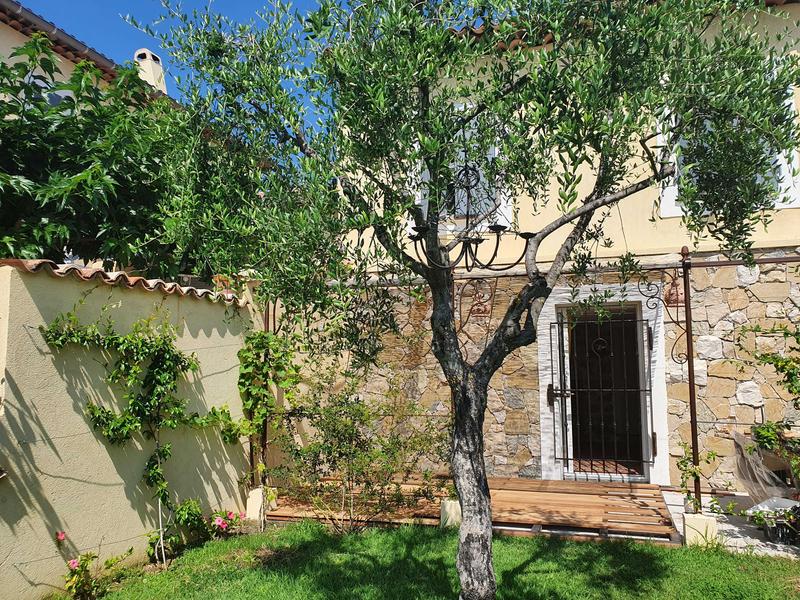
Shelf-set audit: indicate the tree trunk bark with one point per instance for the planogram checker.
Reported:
(474, 562)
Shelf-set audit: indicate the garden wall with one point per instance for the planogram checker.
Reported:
(731, 395)
(519, 423)
(63, 476)
(511, 427)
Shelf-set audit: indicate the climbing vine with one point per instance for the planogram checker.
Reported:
(147, 365)
(267, 369)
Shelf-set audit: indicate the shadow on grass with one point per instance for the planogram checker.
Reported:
(401, 563)
(559, 569)
(420, 563)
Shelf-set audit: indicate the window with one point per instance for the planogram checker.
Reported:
(472, 192)
(54, 98)
(785, 168)
(48, 91)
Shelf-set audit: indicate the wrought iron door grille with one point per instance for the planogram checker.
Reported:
(601, 394)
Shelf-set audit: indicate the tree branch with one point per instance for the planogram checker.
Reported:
(481, 108)
(298, 138)
(383, 235)
(510, 335)
(587, 208)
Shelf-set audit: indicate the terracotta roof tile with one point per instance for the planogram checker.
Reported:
(27, 22)
(118, 278)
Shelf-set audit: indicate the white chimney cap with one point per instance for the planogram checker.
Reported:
(150, 68)
(146, 54)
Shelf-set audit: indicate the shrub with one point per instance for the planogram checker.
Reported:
(352, 456)
(87, 581)
(223, 523)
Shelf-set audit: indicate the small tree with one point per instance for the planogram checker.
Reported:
(353, 456)
(364, 115)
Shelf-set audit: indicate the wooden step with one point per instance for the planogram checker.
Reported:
(633, 509)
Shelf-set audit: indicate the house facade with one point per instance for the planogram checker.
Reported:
(609, 400)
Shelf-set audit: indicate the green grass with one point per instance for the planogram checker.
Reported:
(305, 562)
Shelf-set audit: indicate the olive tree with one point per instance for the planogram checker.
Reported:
(365, 113)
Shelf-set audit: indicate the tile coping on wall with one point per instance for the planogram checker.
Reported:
(120, 278)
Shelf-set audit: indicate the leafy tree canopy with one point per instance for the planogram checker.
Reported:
(366, 113)
(90, 168)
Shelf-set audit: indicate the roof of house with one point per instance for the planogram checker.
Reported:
(119, 278)
(27, 22)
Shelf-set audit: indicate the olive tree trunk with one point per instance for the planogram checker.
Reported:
(474, 562)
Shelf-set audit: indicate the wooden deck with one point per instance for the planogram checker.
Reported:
(556, 507)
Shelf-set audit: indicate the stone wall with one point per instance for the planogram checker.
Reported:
(512, 421)
(731, 394)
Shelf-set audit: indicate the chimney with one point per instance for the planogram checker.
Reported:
(151, 69)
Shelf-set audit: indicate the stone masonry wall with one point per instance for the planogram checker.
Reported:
(511, 429)
(731, 394)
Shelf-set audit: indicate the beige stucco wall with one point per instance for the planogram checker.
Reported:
(10, 39)
(638, 227)
(61, 474)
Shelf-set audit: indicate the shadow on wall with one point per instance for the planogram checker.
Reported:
(200, 459)
(47, 468)
(63, 475)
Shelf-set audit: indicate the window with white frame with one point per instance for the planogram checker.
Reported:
(787, 168)
(472, 191)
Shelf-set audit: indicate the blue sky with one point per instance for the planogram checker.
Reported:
(99, 23)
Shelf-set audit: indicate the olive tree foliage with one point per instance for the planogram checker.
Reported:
(363, 114)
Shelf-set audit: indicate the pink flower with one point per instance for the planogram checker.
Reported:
(73, 564)
(223, 525)
(61, 536)
(231, 515)
(220, 522)
(242, 516)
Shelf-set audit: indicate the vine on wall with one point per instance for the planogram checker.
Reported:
(148, 366)
(267, 369)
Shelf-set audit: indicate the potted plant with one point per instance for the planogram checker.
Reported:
(450, 509)
(780, 525)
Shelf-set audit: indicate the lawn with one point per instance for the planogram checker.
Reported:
(305, 562)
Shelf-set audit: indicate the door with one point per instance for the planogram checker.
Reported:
(604, 393)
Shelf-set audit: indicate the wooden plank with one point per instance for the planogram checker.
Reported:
(603, 508)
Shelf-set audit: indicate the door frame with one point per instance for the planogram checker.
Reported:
(653, 313)
(646, 419)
